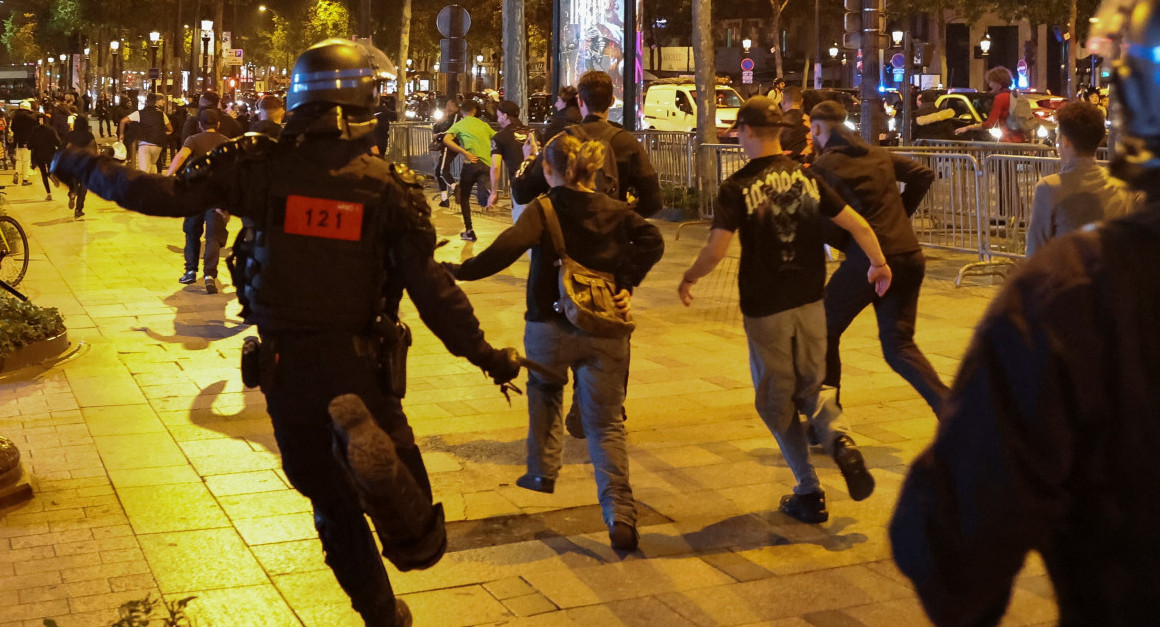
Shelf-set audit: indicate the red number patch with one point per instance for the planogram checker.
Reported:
(320, 217)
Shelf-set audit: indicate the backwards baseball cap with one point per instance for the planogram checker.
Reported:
(759, 111)
(509, 108)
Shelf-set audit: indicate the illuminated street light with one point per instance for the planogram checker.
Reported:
(746, 43)
(896, 38)
(985, 44)
(834, 50)
(261, 8)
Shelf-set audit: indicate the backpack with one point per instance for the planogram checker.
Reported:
(586, 295)
(608, 178)
(1019, 117)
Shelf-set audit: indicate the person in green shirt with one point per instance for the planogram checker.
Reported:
(471, 137)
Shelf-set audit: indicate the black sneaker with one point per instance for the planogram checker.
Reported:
(211, 285)
(27, 182)
(468, 235)
(808, 508)
(537, 484)
(48, 197)
(79, 213)
(859, 482)
(623, 536)
(188, 278)
(72, 200)
(445, 204)
(15, 178)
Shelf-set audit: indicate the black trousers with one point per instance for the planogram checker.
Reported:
(301, 374)
(443, 169)
(469, 176)
(848, 293)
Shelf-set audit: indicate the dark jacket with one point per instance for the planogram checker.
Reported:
(795, 139)
(23, 123)
(44, 144)
(872, 175)
(635, 172)
(598, 232)
(1048, 441)
(561, 119)
(931, 123)
(81, 138)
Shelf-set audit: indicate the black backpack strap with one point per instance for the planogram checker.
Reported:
(552, 222)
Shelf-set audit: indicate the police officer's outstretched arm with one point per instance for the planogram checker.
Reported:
(151, 194)
(443, 307)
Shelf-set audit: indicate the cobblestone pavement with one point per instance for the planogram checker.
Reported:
(156, 472)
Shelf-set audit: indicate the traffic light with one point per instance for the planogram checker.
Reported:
(852, 25)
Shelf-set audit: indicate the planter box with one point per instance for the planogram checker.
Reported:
(35, 353)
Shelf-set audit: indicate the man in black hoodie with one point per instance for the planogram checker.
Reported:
(872, 175)
(209, 100)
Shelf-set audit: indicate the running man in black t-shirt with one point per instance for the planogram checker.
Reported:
(779, 208)
(507, 150)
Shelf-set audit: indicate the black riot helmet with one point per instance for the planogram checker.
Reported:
(1134, 27)
(335, 88)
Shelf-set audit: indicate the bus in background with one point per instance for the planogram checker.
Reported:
(17, 82)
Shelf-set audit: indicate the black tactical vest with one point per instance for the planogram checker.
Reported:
(319, 252)
(152, 129)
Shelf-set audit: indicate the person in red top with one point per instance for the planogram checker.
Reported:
(998, 80)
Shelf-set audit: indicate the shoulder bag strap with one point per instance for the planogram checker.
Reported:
(552, 222)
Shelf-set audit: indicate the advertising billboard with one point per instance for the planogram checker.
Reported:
(594, 35)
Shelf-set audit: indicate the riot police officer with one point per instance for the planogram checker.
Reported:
(1048, 438)
(337, 236)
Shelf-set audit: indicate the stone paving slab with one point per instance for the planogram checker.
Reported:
(155, 471)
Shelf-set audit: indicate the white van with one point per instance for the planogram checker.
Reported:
(672, 106)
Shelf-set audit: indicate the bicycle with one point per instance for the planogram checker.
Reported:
(13, 252)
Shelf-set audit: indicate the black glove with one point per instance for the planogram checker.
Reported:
(504, 366)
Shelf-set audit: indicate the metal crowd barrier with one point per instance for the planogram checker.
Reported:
(980, 150)
(948, 217)
(672, 155)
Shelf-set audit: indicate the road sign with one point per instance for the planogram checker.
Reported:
(453, 21)
(233, 56)
(898, 61)
(747, 65)
(899, 76)
(747, 77)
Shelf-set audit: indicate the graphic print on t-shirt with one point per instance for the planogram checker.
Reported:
(783, 200)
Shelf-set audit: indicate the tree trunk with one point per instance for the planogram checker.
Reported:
(940, 44)
(705, 64)
(515, 77)
(218, 14)
(1071, 51)
(404, 50)
(775, 26)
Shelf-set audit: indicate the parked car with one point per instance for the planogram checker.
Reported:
(671, 105)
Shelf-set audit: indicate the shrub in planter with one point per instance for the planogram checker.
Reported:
(22, 323)
(684, 200)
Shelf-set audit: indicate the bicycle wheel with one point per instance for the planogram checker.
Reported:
(13, 251)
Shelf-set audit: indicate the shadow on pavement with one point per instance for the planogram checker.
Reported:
(196, 324)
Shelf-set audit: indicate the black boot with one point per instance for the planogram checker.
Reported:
(808, 508)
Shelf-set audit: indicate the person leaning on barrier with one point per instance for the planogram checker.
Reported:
(929, 121)
(1083, 192)
(872, 175)
(1048, 438)
(635, 170)
(338, 235)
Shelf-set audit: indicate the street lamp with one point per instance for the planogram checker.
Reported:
(747, 43)
(206, 27)
(115, 47)
(834, 50)
(478, 72)
(985, 44)
(896, 38)
(63, 74)
(88, 71)
(154, 72)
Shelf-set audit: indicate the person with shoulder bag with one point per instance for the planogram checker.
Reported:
(588, 252)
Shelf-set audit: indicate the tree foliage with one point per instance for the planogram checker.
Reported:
(19, 37)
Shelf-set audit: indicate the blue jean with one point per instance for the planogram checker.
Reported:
(787, 359)
(600, 365)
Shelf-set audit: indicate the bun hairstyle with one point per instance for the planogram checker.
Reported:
(579, 161)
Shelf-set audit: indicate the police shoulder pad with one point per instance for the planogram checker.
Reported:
(250, 145)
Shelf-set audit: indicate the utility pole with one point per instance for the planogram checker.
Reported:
(515, 78)
(873, 25)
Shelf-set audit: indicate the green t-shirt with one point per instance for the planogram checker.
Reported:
(475, 136)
